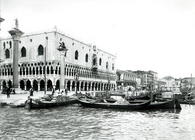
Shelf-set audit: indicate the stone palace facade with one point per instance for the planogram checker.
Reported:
(86, 68)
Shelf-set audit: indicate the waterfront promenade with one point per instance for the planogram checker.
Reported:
(18, 98)
(22, 97)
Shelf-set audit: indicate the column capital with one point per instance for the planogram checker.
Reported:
(16, 34)
(1, 19)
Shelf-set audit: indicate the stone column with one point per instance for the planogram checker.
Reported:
(1, 85)
(19, 85)
(65, 87)
(61, 71)
(86, 87)
(25, 87)
(70, 85)
(16, 34)
(38, 83)
(46, 85)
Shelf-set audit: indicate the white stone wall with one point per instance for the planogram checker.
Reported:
(32, 41)
(83, 49)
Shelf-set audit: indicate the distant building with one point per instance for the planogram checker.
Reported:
(172, 84)
(148, 78)
(178, 83)
(161, 85)
(127, 78)
(188, 82)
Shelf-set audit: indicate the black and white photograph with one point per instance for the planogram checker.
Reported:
(97, 69)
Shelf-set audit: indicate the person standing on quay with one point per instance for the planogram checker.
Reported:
(8, 92)
(53, 91)
(31, 92)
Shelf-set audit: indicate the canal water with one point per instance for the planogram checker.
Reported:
(78, 123)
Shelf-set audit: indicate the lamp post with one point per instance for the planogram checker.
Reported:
(63, 50)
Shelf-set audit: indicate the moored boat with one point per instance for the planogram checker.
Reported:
(116, 105)
(168, 104)
(42, 103)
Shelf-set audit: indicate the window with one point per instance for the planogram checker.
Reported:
(10, 44)
(112, 66)
(7, 53)
(40, 50)
(86, 58)
(100, 61)
(106, 65)
(94, 61)
(4, 45)
(76, 55)
(23, 52)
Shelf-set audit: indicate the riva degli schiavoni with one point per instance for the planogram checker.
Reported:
(49, 70)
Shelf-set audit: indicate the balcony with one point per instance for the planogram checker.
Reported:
(94, 68)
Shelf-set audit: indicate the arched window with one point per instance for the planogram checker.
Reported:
(7, 53)
(40, 50)
(100, 61)
(112, 66)
(76, 55)
(94, 61)
(4, 45)
(10, 44)
(86, 58)
(52, 70)
(106, 65)
(23, 52)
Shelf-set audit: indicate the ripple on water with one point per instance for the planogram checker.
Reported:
(75, 122)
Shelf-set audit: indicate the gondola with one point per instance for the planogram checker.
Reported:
(44, 104)
(188, 102)
(168, 104)
(107, 105)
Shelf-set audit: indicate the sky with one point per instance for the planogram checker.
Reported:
(156, 35)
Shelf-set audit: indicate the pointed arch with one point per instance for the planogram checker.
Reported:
(57, 84)
(100, 61)
(23, 52)
(86, 58)
(7, 53)
(76, 55)
(40, 50)
(42, 85)
(49, 85)
(22, 85)
(28, 85)
(68, 85)
(35, 85)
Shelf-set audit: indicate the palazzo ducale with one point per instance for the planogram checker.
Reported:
(86, 68)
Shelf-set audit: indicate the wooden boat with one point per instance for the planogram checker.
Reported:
(169, 104)
(55, 102)
(189, 102)
(107, 105)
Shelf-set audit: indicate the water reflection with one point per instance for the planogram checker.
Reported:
(75, 122)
